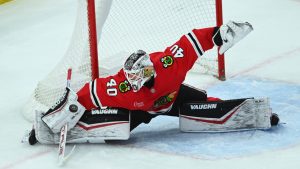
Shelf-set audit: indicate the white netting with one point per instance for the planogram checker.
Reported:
(152, 25)
(123, 26)
(77, 57)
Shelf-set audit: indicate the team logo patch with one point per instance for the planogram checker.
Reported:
(124, 87)
(164, 100)
(167, 61)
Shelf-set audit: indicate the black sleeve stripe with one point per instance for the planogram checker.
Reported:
(196, 45)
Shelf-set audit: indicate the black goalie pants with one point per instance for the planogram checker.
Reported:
(186, 94)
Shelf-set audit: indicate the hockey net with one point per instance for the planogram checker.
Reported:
(123, 27)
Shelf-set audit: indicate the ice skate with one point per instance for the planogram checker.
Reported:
(274, 119)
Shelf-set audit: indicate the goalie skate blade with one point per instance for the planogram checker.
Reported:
(29, 137)
(25, 138)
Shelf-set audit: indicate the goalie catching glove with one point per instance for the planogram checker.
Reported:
(67, 111)
(231, 33)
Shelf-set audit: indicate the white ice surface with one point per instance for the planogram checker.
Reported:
(34, 35)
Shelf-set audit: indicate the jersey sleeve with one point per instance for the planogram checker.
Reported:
(103, 92)
(191, 46)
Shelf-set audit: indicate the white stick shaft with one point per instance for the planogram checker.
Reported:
(62, 144)
(63, 131)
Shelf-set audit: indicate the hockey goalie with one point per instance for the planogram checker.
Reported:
(150, 85)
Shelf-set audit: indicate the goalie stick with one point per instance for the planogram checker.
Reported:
(31, 138)
(62, 146)
(63, 133)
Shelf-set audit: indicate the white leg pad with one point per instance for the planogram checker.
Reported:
(85, 132)
(247, 114)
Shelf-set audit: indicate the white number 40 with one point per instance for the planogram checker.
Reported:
(177, 51)
(111, 90)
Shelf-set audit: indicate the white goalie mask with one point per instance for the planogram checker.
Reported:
(138, 69)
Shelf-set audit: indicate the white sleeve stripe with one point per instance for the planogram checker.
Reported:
(195, 43)
(91, 94)
(199, 44)
(97, 100)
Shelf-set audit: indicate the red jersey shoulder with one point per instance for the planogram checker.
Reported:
(117, 83)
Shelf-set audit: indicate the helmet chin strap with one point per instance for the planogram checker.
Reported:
(149, 72)
(137, 85)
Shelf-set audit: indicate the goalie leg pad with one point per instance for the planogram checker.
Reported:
(94, 127)
(225, 116)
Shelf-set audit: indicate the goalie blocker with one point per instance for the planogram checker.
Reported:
(94, 126)
(228, 115)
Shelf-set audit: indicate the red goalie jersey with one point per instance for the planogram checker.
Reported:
(171, 67)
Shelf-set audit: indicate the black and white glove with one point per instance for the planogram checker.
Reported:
(231, 33)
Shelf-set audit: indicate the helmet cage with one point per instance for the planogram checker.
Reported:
(136, 74)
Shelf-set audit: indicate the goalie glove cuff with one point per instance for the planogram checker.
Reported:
(217, 39)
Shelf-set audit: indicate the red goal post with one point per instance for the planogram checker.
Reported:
(93, 38)
(221, 61)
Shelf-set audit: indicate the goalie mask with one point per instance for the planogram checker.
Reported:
(138, 69)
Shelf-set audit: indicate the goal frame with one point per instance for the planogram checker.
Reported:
(94, 45)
